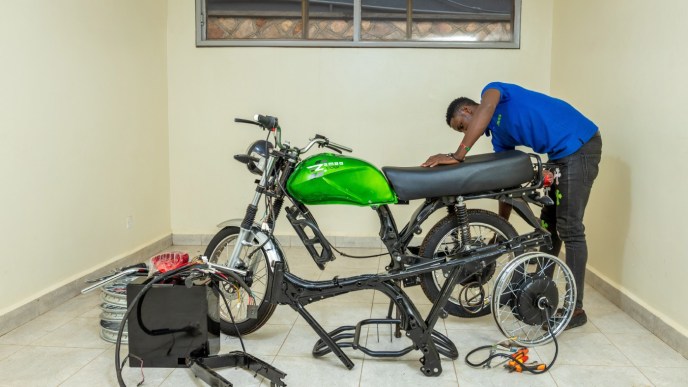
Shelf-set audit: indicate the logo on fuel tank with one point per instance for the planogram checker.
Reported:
(319, 169)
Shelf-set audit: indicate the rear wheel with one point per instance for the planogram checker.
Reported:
(534, 298)
(219, 251)
(471, 297)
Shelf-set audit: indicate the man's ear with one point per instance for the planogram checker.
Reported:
(466, 109)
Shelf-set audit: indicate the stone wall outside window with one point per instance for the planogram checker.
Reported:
(222, 28)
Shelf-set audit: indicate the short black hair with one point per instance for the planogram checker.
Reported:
(458, 104)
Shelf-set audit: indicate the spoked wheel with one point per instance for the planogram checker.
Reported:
(530, 288)
(471, 297)
(219, 251)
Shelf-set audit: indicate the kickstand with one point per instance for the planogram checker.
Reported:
(203, 368)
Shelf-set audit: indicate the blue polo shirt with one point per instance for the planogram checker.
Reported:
(540, 122)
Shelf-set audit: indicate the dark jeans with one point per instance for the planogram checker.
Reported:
(565, 218)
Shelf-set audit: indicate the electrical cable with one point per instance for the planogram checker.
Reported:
(534, 369)
(143, 376)
(357, 256)
(236, 278)
(231, 316)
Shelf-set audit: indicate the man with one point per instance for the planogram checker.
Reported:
(514, 116)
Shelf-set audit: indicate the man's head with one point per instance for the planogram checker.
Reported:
(460, 113)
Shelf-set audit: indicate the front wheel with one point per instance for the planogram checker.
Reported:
(219, 251)
(471, 297)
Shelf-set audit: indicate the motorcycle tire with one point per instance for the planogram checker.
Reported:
(218, 251)
(471, 297)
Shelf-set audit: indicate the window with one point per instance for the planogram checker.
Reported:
(359, 23)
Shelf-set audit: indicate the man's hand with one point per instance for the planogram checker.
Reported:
(439, 159)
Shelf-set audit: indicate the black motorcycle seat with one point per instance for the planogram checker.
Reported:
(477, 174)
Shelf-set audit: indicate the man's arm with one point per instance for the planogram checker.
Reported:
(481, 118)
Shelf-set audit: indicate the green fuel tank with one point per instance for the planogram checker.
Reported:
(327, 178)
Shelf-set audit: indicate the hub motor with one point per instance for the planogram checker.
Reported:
(533, 296)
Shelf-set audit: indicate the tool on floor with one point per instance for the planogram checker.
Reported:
(515, 356)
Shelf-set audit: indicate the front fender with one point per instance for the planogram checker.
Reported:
(271, 246)
(230, 222)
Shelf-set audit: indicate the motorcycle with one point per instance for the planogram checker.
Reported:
(328, 178)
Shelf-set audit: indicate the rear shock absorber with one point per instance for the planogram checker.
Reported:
(462, 217)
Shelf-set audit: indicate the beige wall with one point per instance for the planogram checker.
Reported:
(387, 104)
(623, 62)
(83, 138)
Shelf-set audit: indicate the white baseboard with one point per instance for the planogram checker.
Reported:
(665, 332)
(42, 304)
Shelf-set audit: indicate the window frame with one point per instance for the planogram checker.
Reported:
(201, 40)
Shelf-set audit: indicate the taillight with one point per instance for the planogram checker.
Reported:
(169, 261)
(548, 178)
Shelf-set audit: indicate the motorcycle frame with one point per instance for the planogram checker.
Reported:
(289, 289)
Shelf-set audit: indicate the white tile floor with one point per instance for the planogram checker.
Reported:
(63, 347)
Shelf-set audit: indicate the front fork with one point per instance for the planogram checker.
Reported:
(245, 234)
(245, 237)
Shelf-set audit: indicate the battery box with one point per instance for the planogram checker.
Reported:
(172, 322)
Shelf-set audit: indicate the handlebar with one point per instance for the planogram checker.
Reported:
(333, 146)
(323, 141)
(272, 123)
(265, 122)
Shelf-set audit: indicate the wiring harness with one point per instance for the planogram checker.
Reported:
(514, 355)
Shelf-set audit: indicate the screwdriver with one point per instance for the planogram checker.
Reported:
(522, 356)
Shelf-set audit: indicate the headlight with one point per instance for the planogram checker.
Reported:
(260, 151)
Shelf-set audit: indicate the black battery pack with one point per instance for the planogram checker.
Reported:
(172, 322)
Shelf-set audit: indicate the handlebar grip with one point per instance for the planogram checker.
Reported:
(267, 121)
(334, 149)
(341, 147)
(244, 121)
